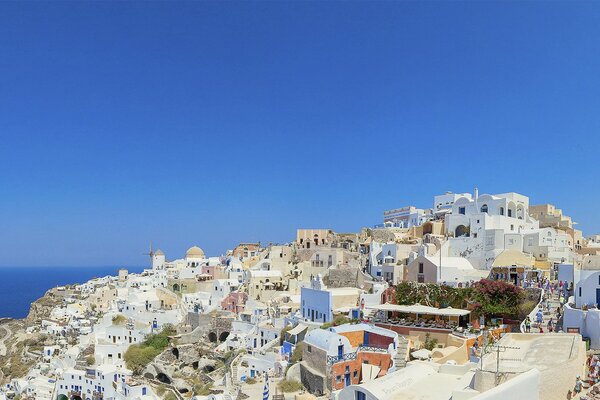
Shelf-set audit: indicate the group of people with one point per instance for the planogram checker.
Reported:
(545, 307)
(562, 288)
(593, 369)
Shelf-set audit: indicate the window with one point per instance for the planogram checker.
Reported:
(462, 210)
(421, 268)
(338, 378)
(484, 208)
(309, 348)
(512, 227)
(579, 291)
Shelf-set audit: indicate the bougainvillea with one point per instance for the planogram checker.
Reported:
(487, 297)
(496, 298)
(431, 294)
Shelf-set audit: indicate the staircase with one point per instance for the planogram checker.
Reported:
(235, 378)
(401, 350)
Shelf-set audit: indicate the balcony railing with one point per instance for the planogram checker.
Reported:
(344, 357)
(372, 349)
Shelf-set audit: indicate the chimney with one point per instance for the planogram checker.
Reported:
(476, 193)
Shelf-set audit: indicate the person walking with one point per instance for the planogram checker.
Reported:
(527, 325)
(550, 325)
(578, 384)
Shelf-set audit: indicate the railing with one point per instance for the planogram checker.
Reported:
(345, 357)
(372, 349)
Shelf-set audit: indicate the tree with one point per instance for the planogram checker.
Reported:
(297, 353)
(497, 298)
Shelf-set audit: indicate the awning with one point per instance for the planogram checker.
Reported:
(453, 312)
(419, 309)
(297, 329)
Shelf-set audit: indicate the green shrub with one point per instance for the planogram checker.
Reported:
(161, 389)
(202, 389)
(119, 319)
(297, 353)
(291, 385)
(430, 343)
(138, 356)
(250, 381)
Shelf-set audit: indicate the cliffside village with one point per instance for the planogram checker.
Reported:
(348, 316)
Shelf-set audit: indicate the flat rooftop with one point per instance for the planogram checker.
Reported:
(533, 350)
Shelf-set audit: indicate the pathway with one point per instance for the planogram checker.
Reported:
(7, 334)
(554, 303)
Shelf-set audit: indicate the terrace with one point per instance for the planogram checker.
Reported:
(402, 318)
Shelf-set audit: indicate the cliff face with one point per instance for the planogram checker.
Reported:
(42, 307)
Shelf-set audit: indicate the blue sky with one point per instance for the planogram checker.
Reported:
(214, 123)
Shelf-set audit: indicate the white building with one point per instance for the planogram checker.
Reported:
(406, 217)
(482, 226)
(548, 243)
(443, 203)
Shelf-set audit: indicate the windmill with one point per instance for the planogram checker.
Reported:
(150, 253)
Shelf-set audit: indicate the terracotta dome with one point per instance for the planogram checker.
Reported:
(194, 252)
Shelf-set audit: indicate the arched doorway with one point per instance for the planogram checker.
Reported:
(176, 287)
(461, 230)
(223, 336)
(212, 337)
(208, 369)
(427, 228)
(162, 377)
(62, 397)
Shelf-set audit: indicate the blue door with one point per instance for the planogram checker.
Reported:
(340, 352)
(366, 339)
(597, 296)
(347, 379)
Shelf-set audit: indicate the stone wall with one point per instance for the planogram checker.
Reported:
(315, 358)
(345, 277)
(312, 381)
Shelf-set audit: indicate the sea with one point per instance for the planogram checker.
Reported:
(20, 286)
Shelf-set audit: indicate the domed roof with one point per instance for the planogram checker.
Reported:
(194, 252)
